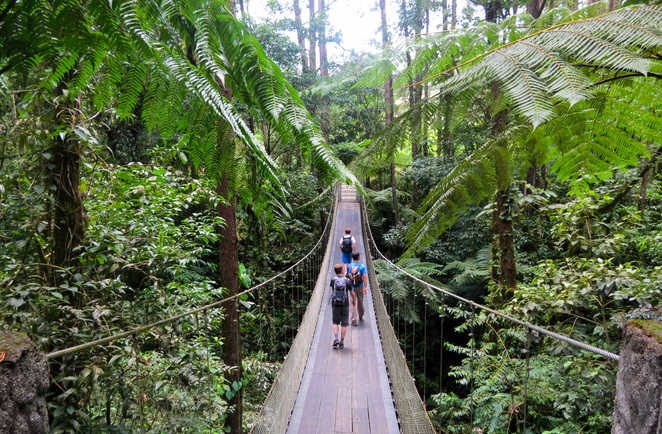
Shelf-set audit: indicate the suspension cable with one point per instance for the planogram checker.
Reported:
(557, 336)
(173, 318)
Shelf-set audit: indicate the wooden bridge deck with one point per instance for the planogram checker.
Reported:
(345, 391)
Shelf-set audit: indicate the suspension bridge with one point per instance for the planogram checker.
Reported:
(367, 388)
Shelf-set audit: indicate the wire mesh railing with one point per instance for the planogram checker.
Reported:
(500, 361)
(168, 375)
(412, 415)
(277, 408)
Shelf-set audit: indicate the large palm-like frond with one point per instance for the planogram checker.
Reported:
(536, 70)
(227, 56)
(471, 181)
(542, 82)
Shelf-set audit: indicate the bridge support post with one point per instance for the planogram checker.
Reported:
(23, 385)
(638, 402)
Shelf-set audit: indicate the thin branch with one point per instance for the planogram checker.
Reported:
(633, 74)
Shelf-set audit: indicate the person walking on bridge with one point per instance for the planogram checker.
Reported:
(347, 246)
(340, 290)
(358, 276)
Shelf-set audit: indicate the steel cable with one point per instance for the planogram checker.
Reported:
(173, 318)
(557, 336)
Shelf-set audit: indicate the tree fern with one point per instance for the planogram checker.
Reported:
(471, 181)
(535, 70)
(228, 55)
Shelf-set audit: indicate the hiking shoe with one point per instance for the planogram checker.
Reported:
(336, 342)
(355, 323)
(341, 345)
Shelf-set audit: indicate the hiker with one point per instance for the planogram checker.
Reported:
(340, 289)
(358, 276)
(347, 247)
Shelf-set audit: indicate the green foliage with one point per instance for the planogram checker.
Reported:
(534, 69)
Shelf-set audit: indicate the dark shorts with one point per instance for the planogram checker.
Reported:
(346, 257)
(341, 315)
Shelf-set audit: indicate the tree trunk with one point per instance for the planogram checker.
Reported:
(535, 7)
(426, 93)
(444, 141)
(324, 64)
(453, 14)
(504, 229)
(388, 112)
(312, 36)
(492, 10)
(502, 225)
(645, 180)
(228, 262)
(300, 36)
(324, 67)
(69, 228)
(444, 14)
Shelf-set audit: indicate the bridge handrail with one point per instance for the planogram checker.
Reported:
(528, 325)
(143, 328)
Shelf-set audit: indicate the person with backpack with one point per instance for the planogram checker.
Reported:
(347, 247)
(341, 288)
(358, 276)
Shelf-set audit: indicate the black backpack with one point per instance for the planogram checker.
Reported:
(354, 275)
(339, 295)
(346, 245)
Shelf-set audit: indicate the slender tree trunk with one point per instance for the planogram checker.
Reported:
(504, 230)
(324, 67)
(426, 92)
(502, 224)
(388, 112)
(324, 63)
(647, 173)
(643, 187)
(453, 14)
(444, 15)
(69, 221)
(228, 262)
(535, 7)
(417, 89)
(300, 36)
(312, 32)
(444, 140)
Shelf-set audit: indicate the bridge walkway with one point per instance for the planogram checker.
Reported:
(345, 391)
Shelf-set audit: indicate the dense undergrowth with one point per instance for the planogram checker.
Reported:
(584, 275)
(150, 252)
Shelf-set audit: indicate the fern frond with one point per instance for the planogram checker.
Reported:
(536, 68)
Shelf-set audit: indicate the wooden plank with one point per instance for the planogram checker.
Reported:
(343, 422)
(360, 421)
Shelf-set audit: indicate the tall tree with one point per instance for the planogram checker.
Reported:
(301, 37)
(312, 36)
(533, 96)
(324, 66)
(389, 112)
(324, 62)
(75, 42)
